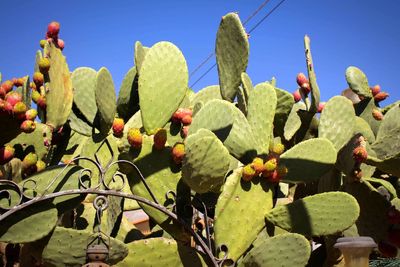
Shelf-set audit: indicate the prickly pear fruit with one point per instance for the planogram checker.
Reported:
(277, 148)
(321, 107)
(2, 93)
(13, 98)
(35, 96)
(53, 29)
(6, 154)
(19, 110)
(160, 138)
(248, 172)
(41, 102)
(360, 154)
(381, 96)
(387, 250)
(118, 127)
(40, 165)
(42, 43)
(180, 113)
(272, 176)
(31, 114)
(270, 165)
(19, 82)
(28, 126)
(375, 89)
(29, 161)
(377, 114)
(44, 65)
(60, 44)
(184, 131)
(135, 138)
(187, 120)
(296, 96)
(301, 79)
(38, 79)
(305, 88)
(7, 86)
(178, 153)
(393, 215)
(258, 165)
(282, 171)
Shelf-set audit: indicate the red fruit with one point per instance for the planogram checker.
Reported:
(296, 96)
(135, 138)
(53, 29)
(61, 44)
(360, 154)
(31, 114)
(321, 107)
(180, 113)
(2, 93)
(306, 88)
(41, 102)
(118, 127)
(387, 250)
(187, 120)
(38, 79)
(301, 79)
(178, 153)
(381, 96)
(19, 110)
(258, 165)
(6, 154)
(393, 215)
(248, 172)
(13, 98)
(377, 114)
(28, 126)
(7, 86)
(160, 138)
(375, 89)
(394, 237)
(19, 82)
(272, 177)
(32, 85)
(184, 131)
(8, 108)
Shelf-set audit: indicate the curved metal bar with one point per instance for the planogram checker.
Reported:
(145, 201)
(14, 188)
(205, 220)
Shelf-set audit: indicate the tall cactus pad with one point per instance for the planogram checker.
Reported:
(105, 99)
(241, 208)
(260, 114)
(246, 84)
(317, 215)
(140, 54)
(315, 94)
(337, 121)
(293, 122)
(29, 224)
(230, 125)
(286, 102)
(128, 98)
(72, 252)
(279, 251)
(308, 160)
(358, 81)
(206, 163)
(84, 83)
(161, 252)
(232, 50)
(163, 81)
(59, 97)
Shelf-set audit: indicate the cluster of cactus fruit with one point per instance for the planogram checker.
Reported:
(272, 173)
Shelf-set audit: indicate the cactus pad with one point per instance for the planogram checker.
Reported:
(140, 54)
(358, 82)
(293, 122)
(232, 50)
(317, 215)
(84, 83)
(206, 94)
(163, 81)
(128, 98)
(315, 94)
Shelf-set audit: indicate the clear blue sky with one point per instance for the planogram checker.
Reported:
(363, 33)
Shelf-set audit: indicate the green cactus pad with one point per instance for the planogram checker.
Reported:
(205, 164)
(230, 125)
(315, 94)
(84, 83)
(285, 103)
(308, 160)
(59, 97)
(261, 111)
(241, 208)
(72, 252)
(317, 215)
(358, 82)
(279, 251)
(373, 210)
(34, 141)
(161, 252)
(241, 101)
(128, 98)
(364, 110)
(337, 121)
(247, 85)
(78, 122)
(105, 100)
(363, 128)
(232, 51)
(140, 54)
(206, 94)
(25, 92)
(377, 182)
(293, 122)
(161, 175)
(163, 83)
(29, 224)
